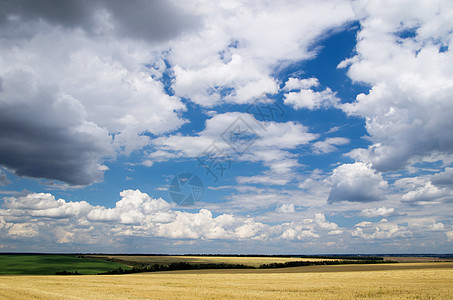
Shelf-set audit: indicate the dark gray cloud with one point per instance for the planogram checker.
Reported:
(43, 134)
(69, 13)
(150, 20)
(443, 179)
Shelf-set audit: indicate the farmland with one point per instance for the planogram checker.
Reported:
(38, 264)
(384, 281)
(254, 261)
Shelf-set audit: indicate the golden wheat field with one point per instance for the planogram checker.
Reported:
(402, 281)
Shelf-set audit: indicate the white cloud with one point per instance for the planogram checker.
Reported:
(420, 190)
(271, 138)
(262, 179)
(38, 201)
(286, 208)
(407, 108)
(137, 214)
(310, 99)
(81, 80)
(328, 145)
(377, 212)
(233, 56)
(427, 194)
(310, 228)
(357, 183)
(133, 208)
(436, 226)
(320, 220)
(380, 230)
(300, 84)
(23, 230)
(449, 235)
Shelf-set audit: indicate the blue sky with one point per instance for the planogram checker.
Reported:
(299, 127)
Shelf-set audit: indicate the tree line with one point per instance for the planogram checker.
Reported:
(188, 266)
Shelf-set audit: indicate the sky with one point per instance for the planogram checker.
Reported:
(246, 127)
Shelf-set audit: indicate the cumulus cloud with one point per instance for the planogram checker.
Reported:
(45, 133)
(408, 228)
(309, 228)
(83, 80)
(380, 230)
(306, 97)
(286, 208)
(449, 235)
(377, 212)
(148, 20)
(75, 88)
(23, 230)
(240, 46)
(407, 108)
(443, 179)
(420, 190)
(137, 214)
(356, 182)
(269, 143)
(427, 194)
(320, 220)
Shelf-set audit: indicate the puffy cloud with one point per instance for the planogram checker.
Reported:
(37, 201)
(405, 56)
(320, 220)
(286, 208)
(377, 212)
(426, 189)
(137, 214)
(307, 97)
(75, 89)
(436, 226)
(45, 133)
(147, 20)
(356, 183)
(43, 205)
(84, 80)
(444, 179)
(309, 228)
(449, 235)
(427, 194)
(408, 227)
(133, 208)
(299, 232)
(380, 230)
(233, 57)
(238, 78)
(222, 137)
(299, 84)
(328, 145)
(23, 230)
